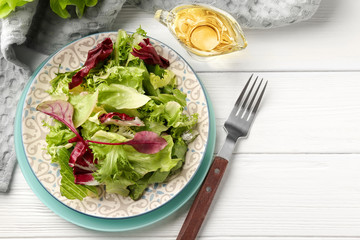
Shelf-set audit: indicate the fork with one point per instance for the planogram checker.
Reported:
(237, 126)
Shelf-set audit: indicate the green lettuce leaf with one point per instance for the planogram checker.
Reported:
(179, 122)
(60, 86)
(155, 168)
(154, 126)
(144, 163)
(7, 6)
(114, 170)
(168, 78)
(121, 97)
(176, 96)
(173, 113)
(122, 166)
(122, 47)
(89, 128)
(60, 6)
(137, 190)
(58, 137)
(83, 106)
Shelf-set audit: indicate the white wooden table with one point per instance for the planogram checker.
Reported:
(298, 174)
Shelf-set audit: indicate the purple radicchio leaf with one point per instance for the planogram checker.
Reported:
(83, 169)
(79, 150)
(83, 164)
(86, 179)
(95, 55)
(149, 55)
(145, 142)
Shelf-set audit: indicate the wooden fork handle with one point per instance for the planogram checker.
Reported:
(203, 200)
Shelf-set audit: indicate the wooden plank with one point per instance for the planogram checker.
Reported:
(261, 195)
(300, 113)
(268, 191)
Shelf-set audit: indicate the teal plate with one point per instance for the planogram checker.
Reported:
(113, 224)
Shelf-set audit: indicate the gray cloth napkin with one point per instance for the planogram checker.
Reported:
(35, 25)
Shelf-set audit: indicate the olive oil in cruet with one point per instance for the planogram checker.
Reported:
(203, 30)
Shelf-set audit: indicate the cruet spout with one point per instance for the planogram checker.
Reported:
(164, 17)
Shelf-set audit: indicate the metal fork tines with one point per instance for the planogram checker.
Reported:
(242, 115)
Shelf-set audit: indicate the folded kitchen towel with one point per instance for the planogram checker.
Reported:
(37, 26)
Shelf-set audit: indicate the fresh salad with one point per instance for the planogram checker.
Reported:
(119, 120)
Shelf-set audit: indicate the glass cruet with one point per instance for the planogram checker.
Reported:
(203, 30)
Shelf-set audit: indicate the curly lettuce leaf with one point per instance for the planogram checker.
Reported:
(168, 78)
(171, 115)
(89, 128)
(114, 170)
(60, 6)
(122, 47)
(176, 96)
(124, 44)
(60, 86)
(127, 76)
(137, 189)
(58, 137)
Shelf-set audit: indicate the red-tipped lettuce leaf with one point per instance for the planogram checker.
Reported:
(149, 55)
(60, 110)
(99, 53)
(120, 119)
(144, 142)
